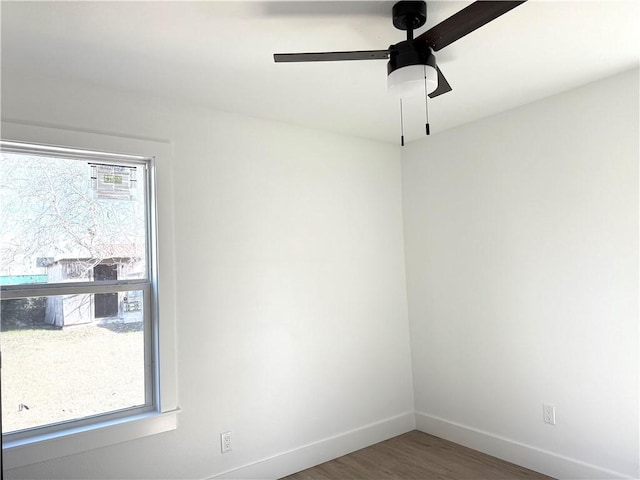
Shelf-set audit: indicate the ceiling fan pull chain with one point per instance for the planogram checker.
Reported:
(401, 126)
(426, 102)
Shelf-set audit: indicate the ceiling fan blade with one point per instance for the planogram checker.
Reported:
(466, 21)
(443, 85)
(332, 56)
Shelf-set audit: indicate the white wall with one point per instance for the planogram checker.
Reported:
(291, 298)
(521, 237)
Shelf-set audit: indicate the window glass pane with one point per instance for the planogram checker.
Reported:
(70, 220)
(71, 356)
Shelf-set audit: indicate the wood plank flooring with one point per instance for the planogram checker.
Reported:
(417, 456)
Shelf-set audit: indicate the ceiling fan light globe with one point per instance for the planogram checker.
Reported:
(409, 81)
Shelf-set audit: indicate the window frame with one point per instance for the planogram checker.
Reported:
(48, 442)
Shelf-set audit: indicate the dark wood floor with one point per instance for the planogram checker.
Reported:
(416, 455)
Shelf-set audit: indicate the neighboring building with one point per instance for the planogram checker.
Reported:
(85, 308)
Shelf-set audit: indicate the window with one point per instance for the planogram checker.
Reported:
(80, 311)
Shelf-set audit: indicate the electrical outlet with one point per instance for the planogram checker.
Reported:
(225, 442)
(549, 414)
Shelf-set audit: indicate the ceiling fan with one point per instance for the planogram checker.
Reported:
(412, 65)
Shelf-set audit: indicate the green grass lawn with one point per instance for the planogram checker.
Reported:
(51, 375)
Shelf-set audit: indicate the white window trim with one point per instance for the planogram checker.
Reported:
(75, 440)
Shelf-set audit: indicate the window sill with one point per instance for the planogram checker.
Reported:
(35, 449)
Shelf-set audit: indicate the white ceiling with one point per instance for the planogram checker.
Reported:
(220, 54)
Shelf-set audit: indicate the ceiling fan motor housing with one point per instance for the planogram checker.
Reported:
(411, 69)
(409, 52)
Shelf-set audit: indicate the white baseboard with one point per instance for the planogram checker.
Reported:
(323, 450)
(543, 461)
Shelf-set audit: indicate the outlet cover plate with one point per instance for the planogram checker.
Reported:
(549, 414)
(225, 442)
